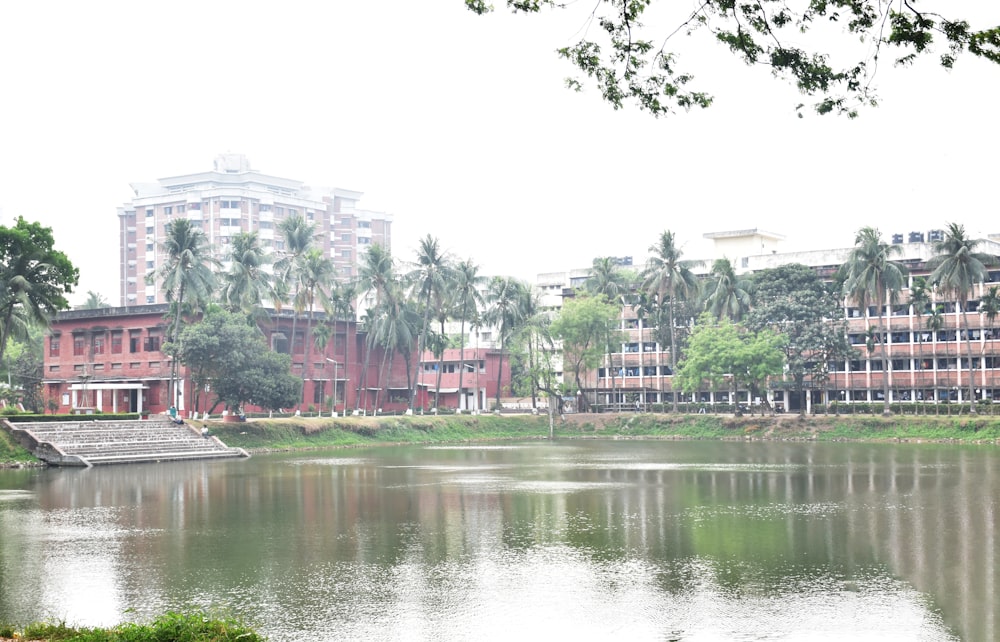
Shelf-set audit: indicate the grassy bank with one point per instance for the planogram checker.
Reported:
(292, 434)
(168, 627)
(301, 433)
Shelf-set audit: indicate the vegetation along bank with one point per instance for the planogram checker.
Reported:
(299, 433)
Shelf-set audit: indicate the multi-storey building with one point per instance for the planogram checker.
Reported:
(922, 364)
(111, 360)
(232, 198)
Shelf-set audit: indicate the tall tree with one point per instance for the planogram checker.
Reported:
(34, 279)
(315, 275)
(920, 301)
(607, 279)
(793, 301)
(582, 326)
(468, 303)
(666, 280)
(956, 268)
(504, 296)
(299, 235)
(629, 61)
(729, 295)
(95, 301)
(247, 283)
(342, 307)
(935, 323)
(186, 274)
(872, 277)
(429, 278)
(376, 279)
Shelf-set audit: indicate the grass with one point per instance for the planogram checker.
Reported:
(11, 452)
(170, 627)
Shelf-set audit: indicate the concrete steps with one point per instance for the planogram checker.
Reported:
(94, 442)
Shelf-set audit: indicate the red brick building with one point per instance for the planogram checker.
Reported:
(110, 360)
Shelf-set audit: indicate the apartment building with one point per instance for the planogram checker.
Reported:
(232, 198)
(922, 364)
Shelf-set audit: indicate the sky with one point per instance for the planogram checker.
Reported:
(460, 127)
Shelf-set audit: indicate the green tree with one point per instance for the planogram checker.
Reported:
(227, 352)
(504, 296)
(873, 278)
(791, 300)
(377, 281)
(628, 62)
(722, 354)
(608, 280)
(920, 300)
(468, 303)
(956, 268)
(34, 280)
(582, 326)
(247, 283)
(299, 235)
(430, 278)
(187, 273)
(315, 275)
(934, 323)
(729, 295)
(666, 280)
(95, 301)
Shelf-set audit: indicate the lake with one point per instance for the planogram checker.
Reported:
(582, 539)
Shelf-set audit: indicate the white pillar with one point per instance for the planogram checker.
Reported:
(99, 394)
(73, 405)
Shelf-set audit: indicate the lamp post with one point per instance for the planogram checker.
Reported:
(333, 410)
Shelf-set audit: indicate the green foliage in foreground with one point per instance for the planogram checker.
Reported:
(170, 627)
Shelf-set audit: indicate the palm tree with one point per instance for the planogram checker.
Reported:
(342, 301)
(934, 323)
(607, 280)
(668, 279)
(730, 295)
(872, 277)
(920, 300)
(504, 297)
(186, 272)
(956, 268)
(299, 235)
(321, 335)
(247, 283)
(315, 273)
(95, 301)
(376, 279)
(467, 303)
(429, 279)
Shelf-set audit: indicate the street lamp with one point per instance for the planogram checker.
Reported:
(336, 364)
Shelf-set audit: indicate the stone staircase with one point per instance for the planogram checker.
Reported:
(95, 442)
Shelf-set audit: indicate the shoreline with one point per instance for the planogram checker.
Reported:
(297, 434)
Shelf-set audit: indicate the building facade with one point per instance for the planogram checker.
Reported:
(232, 198)
(924, 362)
(111, 360)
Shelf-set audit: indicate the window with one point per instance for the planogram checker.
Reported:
(318, 392)
(364, 240)
(53, 346)
(79, 346)
(151, 344)
(364, 225)
(649, 371)
(292, 211)
(631, 324)
(632, 371)
(900, 364)
(150, 298)
(181, 209)
(649, 347)
(116, 343)
(233, 205)
(345, 254)
(53, 368)
(631, 347)
(116, 366)
(98, 343)
(168, 210)
(150, 213)
(266, 225)
(346, 237)
(134, 365)
(900, 337)
(264, 208)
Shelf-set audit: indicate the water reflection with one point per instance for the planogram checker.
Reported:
(647, 540)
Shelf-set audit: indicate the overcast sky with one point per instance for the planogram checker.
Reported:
(460, 127)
